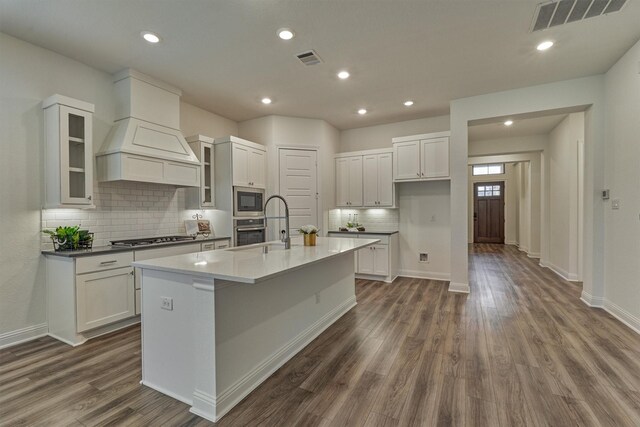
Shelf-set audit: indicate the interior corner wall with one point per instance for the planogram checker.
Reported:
(563, 227)
(196, 121)
(584, 92)
(371, 137)
(622, 178)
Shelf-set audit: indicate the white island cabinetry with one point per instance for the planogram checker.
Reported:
(237, 315)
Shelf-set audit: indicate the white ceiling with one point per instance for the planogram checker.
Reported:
(520, 127)
(225, 55)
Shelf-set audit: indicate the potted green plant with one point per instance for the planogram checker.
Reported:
(309, 232)
(67, 238)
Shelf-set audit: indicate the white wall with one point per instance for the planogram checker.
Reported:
(29, 74)
(622, 177)
(371, 137)
(518, 144)
(564, 221)
(424, 227)
(280, 131)
(195, 120)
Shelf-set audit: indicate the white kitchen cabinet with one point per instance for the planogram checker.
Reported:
(378, 180)
(218, 244)
(249, 166)
(349, 181)
(202, 197)
(104, 297)
(68, 153)
(378, 261)
(421, 157)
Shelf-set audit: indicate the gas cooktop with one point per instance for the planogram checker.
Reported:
(150, 240)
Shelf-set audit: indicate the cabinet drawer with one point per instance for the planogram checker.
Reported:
(223, 244)
(103, 262)
(208, 246)
(384, 239)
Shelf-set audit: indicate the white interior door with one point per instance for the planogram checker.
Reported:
(299, 187)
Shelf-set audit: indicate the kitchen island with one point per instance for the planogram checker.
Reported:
(217, 324)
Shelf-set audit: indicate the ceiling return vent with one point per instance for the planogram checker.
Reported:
(309, 57)
(559, 12)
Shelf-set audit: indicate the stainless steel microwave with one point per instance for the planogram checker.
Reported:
(248, 201)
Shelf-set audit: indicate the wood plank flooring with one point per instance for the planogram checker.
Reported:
(521, 349)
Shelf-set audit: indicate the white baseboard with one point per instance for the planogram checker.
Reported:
(19, 336)
(570, 277)
(613, 309)
(533, 255)
(591, 300)
(462, 288)
(511, 242)
(622, 315)
(419, 274)
(214, 407)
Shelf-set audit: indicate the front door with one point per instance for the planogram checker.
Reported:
(299, 186)
(488, 215)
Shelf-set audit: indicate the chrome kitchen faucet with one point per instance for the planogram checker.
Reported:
(286, 238)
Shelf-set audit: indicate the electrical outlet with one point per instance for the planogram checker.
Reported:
(424, 257)
(615, 204)
(166, 303)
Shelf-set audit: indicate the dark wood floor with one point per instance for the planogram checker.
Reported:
(521, 349)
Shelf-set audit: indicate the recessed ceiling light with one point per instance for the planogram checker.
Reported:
(362, 111)
(545, 45)
(285, 34)
(408, 103)
(266, 101)
(508, 123)
(150, 37)
(343, 75)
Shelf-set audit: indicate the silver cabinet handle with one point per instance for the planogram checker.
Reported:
(422, 173)
(418, 174)
(109, 262)
(88, 197)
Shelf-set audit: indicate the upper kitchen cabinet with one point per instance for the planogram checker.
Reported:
(204, 196)
(421, 157)
(68, 151)
(248, 161)
(378, 179)
(349, 181)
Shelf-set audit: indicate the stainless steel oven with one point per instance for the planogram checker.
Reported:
(248, 202)
(249, 231)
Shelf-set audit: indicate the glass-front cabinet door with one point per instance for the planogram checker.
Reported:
(207, 176)
(203, 197)
(68, 150)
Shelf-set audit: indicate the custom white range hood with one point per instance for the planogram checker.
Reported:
(145, 143)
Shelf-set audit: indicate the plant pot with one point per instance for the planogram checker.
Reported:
(310, 239)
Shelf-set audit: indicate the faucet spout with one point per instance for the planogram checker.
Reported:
(286, 239)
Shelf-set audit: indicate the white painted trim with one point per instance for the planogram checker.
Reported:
(622, 315)
(511, 242)
(230, 397)
(570, 277)
(165, 391)
(420, 136)
(419, 274)
(533, 255)
(385, 279)
(591, 300)
(364, 152)
(19, 336)
(462, 288)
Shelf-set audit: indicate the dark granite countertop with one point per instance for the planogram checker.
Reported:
(100, 250)
(384, 233)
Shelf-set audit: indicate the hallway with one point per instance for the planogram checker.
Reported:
(521, 349)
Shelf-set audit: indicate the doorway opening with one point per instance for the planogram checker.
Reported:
(488, 212)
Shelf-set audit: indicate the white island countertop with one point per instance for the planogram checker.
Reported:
(248, 264)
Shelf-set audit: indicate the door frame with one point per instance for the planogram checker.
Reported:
(502, 185)
(319, 204)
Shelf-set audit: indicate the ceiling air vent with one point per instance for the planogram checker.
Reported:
(309, 57)
(559, 12)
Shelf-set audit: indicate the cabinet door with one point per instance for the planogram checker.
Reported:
(76, 156)
(366, 260)
(257, 168)
(370, 180)
(355, 181)
(407, 160)
(342, 182)
(240, 155)
(223, 244)
(104, 297)
(381, 260)
(207, 197)
(385, 179)
(435, 157)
